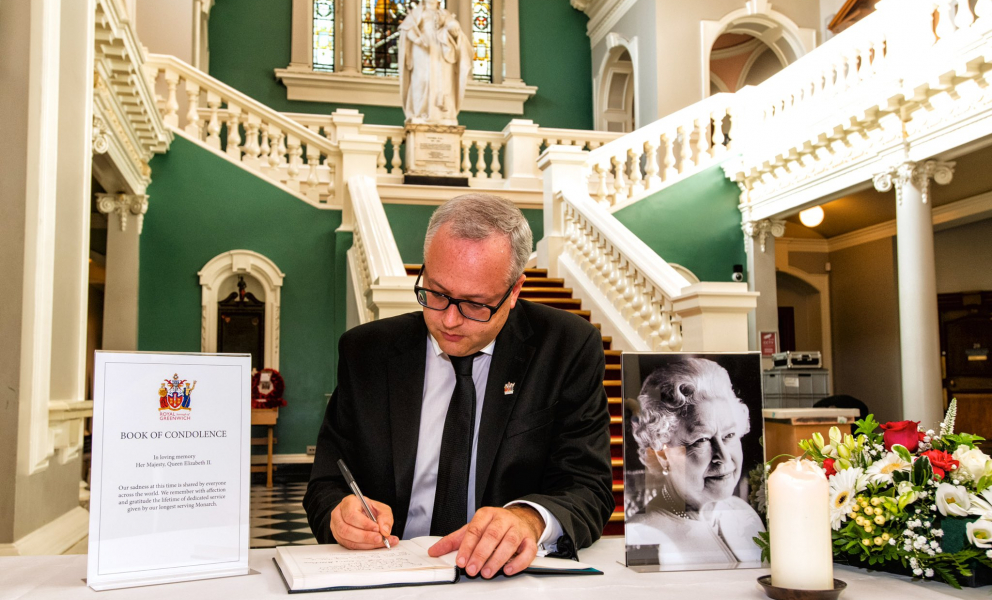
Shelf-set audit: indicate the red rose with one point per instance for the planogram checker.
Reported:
(828, 465)
(941, 462)
(903, 433)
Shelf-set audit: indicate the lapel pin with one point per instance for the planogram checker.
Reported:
(508, 388)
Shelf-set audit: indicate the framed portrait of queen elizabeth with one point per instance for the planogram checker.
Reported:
(692, 436)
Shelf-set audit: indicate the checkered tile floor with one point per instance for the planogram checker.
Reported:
(277, 516)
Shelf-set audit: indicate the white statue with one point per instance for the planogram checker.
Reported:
(435, 65)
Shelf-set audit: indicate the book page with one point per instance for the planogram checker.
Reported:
(541, 562)
(328, 560)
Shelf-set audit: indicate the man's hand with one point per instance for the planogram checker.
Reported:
(353, 529)
(493, 537)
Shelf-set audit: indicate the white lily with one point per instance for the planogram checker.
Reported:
(981, 504)
(952, 500)
(980, 533)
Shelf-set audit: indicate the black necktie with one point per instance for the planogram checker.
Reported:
(451, 495)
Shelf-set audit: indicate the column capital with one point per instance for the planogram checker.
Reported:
(760, 230)
(914, 173)
(121, 205)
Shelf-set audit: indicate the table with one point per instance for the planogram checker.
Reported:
(268, 418)
(61, 577)
(786, 427)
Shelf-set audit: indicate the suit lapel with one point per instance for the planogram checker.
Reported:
(511, 358)
(405, 379)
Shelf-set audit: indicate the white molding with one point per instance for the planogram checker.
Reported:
(732, 51)
(802, 244)
(241, 262)
(603, 15)
(318, 86)
(749, 64)
(52, 538)
(435, 195)
(282, 459)
(604, 76)
(601, 310)
(721, 87)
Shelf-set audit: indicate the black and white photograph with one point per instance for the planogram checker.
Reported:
(692, 458)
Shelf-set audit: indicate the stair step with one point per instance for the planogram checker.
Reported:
(565, 303)
(612, 370)
(607, 342)
(412, 269)
(615, 401)
(613, 357)
(536, 272)
(585, 314)
(542, 282)
(545, 292)
(617, 516)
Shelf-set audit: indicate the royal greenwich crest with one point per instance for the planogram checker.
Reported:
(174, 394)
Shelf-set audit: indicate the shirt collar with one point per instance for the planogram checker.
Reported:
(438, 352)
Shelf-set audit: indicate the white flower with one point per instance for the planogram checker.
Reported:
(980, 533)
(988, 553)
(953, 500)
(974, 463)
(881, 471)
(981, 504)
(844, 486)
(928, 573)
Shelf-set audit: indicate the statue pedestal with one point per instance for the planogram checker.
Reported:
(433, 155)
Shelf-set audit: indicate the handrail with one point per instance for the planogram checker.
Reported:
(371, 223)
(257, 137)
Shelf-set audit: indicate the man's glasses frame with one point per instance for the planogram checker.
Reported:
(422, 297)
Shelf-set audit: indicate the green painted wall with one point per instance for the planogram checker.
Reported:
(694, 223)
(201, 206)
(251, 38)
(409, 223)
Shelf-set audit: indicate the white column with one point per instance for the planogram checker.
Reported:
(497, 49)
(919, 337)
(511, 49)
(72, 217)
(301, 44)
(349, 16)
(561, 166)
(463, 10)
(759, 242)
(714, 316)
(125, 213)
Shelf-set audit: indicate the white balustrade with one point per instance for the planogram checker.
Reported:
(638, 164)
(261, 139)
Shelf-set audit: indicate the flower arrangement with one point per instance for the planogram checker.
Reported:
(898, 495)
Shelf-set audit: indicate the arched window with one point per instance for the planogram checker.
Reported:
(323, 35)
(482, 41)
(346, 51)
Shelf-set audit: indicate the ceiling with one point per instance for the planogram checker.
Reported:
(972, 176)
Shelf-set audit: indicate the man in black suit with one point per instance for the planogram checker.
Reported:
(480, 401)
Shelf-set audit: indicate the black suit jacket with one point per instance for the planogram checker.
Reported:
(548, 442)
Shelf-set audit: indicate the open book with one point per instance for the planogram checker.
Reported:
(332, 567)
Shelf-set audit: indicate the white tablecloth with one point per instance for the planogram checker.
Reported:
(61, 577)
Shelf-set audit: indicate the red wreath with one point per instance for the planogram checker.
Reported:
(272, 398)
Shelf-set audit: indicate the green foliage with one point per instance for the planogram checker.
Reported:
(763, 542)
(951, 441)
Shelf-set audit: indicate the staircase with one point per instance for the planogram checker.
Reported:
(541, 289)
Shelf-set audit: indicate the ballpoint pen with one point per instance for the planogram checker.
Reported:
(354, 488)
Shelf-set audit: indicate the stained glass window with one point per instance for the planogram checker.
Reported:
(323, 35)
(482, 40)
(380, 34)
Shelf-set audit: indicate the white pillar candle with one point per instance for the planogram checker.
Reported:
(799, 527)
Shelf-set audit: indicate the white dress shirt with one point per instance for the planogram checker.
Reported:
(439, 385)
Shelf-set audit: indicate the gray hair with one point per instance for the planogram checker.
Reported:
(671, 391)
(478, 216)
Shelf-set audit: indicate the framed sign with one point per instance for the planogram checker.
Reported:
(693, 461)
(769, 343)
(170, 468)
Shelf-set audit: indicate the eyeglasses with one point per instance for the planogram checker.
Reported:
(474, 311)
